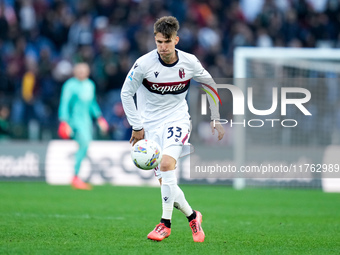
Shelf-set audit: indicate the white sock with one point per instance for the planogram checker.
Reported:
(168, 191)
(182, 204)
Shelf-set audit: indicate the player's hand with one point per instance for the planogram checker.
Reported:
(64, 130)
(103, 125)
(136, 136)
(220, 130)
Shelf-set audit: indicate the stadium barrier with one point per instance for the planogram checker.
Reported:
(107, 162)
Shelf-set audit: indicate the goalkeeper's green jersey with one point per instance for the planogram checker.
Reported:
(78, 104)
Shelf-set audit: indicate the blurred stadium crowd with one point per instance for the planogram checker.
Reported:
(41, 39)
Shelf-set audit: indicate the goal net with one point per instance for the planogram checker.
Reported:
(293, 140)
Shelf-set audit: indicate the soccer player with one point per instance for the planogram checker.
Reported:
(78, 107)
(160, 79)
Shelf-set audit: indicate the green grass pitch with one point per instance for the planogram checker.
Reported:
(36, 218)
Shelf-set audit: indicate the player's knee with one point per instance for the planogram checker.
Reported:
(168, 163)
(84, 142)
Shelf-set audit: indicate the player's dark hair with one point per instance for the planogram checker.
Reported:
(167, 26)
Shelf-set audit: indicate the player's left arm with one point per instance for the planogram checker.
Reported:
(203, 76)
(96, 113)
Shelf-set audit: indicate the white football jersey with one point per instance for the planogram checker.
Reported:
(161, 89)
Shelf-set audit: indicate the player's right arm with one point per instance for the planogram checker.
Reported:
(64, 130)
(65, 100)
(132, 82)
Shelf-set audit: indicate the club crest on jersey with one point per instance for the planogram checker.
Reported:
(181, 73)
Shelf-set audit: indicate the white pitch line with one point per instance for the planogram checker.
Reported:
(83, 216)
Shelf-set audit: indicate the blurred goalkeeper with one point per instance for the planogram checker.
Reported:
(161, 79)
(78, 107)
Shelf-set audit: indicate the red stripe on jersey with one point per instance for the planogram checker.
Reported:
(185, 138)
(167, 87)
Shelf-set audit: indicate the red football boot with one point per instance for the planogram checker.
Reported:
(159, 233)
(196, 227)
(77, 183)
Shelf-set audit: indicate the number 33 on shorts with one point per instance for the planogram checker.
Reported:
(177, 134)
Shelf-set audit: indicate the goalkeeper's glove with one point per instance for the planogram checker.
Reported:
(103, 125)
(64, 130)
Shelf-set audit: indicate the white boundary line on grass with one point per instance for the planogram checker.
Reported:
(83, 216)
